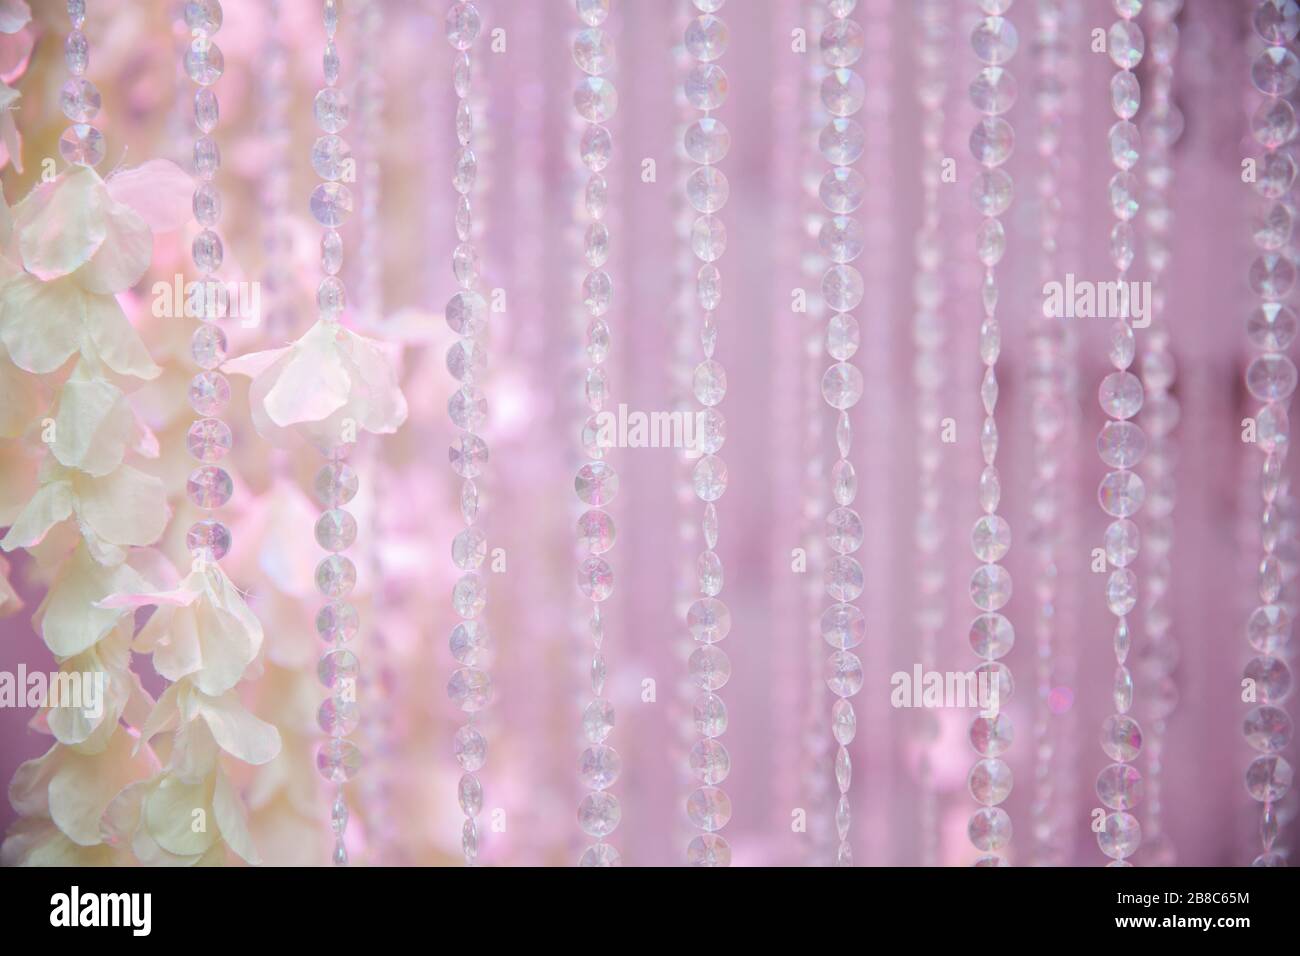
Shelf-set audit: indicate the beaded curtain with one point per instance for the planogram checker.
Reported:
(1215, 247)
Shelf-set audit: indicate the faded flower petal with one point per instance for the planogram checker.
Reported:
(158, 191)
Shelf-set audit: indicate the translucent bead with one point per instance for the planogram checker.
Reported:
(709, 715)
(595, 579)
(709, 478)
(994, 40)
(1267, 729)
(1125, 144)
(338, 761)
(844, 578)
(596, 483)
(76, 52)
(335, 484)
(842, 385)
(469, 595)
(706, 38)
(989, 781)
(708, 287)
(336, 576)
(1121, 591)
(469, 839)
(208, 439)
(331, 157)
(1121, 835)
(206, 205)
(337, 717)
(1277, 21)
(467, 408)
(707, 141)
(1125, 94)
(844, 482)
(1268, 778)
(992, 141)
(989, 828)
(993, 91)
(841, 43)
(1125, 44)
(843, 626)
(844, 722)
(991, 636)
(843, 92)
(209, 486)
(992, 192)
(1273, 124)
(339, 815)
(210, 538)
(207, 251)
(1122, 540)
(466, 313)
(706, 86)
(842, 190)
(708, 620)
(469, 794)
(1120, 395)
(331, 204)
(338, 668)
(709, 667)
(600, 855)
(331, 65)
(1273, 227)
(470, 689)
(82, 145)
(990, 489)
(991, 736)
(203, 16)
(990, 587)
(708, 808)
(595, 99)
(842, 288)
(80, 100)
(465, 170)
(337, 622)
(1121, 738)
(207, 110)
(1275, 173)
(331, 110)
(1269, 628)
(204, 63)
(599, 814)
(708, 850)
(1271, 678)
(336, 530)
(844, 674)
(1275, 71)
(1122, 690)
(991, 538)
(1271, 378)
(463, 24)
(844, 530)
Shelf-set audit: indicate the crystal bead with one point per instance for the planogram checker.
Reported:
(708, 620)
(82, 145)
(1122, 690)
(469, 794)
(598, 720)
(209, 486)
(337, 717)
(331, 110)
(991, 736)
(706, 86)
(336, 484)
(595, 579)
(337, 622)
(708, 238)
(331, 65)
(469, 595)
(470, 689)
(596, 196)
(331, 204)
(993, 91)
(336, 576)
(842, 190)
(595, 99)
(331, 157)
(599, 767)
(1275, 173)
(994, 40)
(465, 170)
(708, 808)
(210, 538)
(1121, 494)
(992, 192)
(336, 530)
(1275, 71)
(991, 538)
(203, 16)
(1271, 678)
(842, 385)
(989, 828)
(1121, 738)
(339, 815)
(841, 43)
(466, 313)
(844, 578)
(842, 288)
(1122, 541)
(1120, 395)
(843, 626)
(990, 242)
(1121, 591)
(992, 141)
(844, 530)
(709, 761)
(706, 38)
(1125, 44)
(1125, 94)
(207, 251)
(991, 636)
(338, 668)
(1268, 778)
(600, 855)
(1269, 628)
(707, 141)
(709, 667)
(989, 781)
(463, 25)
(207, 110)
(207, 157)
(208, 439)
(599, 814)
(1271, 378)
(204, 63)
(80, 100)
(708, 287)
(206, 205)
(1273, 227)
(76, 52)
(1121, 835)
(708, 850)
(1277, 21)
(1274, 123)
(709, 714)
(338, 761)
(990, 587)
(596, 483)
(1268, 729)
(844, 673)
(77, 13)
(469, 839)
(844, 722)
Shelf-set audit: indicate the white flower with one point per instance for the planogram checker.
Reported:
(328, 386)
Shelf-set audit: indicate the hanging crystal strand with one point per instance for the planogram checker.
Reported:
(991, 635)
(819, 783)
(81, 144)
(929, 375)
(1121, 445)
(1048, 384)
(595, 100)
(708, 619)
(470, 687)
(842, 189)
(338, 759)
(369, 174)
(278, 315)
(1271, 379)
(1160, 412)
(209, 438)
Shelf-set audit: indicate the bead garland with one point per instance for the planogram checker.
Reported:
(1271, 379)
(595, 101)
(706, 141)
(1121, 446)
(994, 40)
(470, 687)
(842, 191)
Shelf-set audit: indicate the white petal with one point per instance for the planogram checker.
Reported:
(84, 786)
(51, 504)
(40, 322)
(231, 818)
(61, 223)
(123, 258)
(127, 508)
(93, 424)
(238, 732)
(158, 191)
(115, 339)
